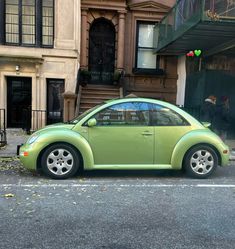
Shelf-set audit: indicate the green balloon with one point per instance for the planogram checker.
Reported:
(197, 52)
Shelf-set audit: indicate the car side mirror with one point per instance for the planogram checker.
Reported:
(92, 122)
(206, 124)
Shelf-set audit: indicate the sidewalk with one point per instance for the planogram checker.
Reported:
(231, 144)
(18, 136)
(14, 137)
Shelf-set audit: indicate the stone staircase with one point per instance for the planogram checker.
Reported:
(92, 95)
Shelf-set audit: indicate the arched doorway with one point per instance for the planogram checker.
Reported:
(101, 51)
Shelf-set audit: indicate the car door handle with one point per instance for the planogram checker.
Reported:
(147, 133)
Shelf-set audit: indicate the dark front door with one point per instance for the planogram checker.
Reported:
(55, 89)
(102, 51)
(19, 98)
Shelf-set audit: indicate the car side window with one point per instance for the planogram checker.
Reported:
(130, 113)
(163, 116)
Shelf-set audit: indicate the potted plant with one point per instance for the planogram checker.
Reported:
(116, 77)
(85, 76)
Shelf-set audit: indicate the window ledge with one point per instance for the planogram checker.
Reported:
(145, 71)
(16, 58)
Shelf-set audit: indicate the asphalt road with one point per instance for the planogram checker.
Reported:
(116, 210)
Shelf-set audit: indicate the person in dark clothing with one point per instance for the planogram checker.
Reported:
(208, 110)
(222, 118)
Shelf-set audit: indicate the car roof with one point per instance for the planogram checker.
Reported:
(173, 107)
(139, 99)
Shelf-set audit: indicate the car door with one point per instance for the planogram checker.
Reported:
(169, 127)
(122, 135)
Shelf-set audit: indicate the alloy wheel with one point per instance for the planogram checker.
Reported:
(60, 162)
(202, 162)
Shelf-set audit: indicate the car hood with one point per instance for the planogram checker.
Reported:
(56, 126)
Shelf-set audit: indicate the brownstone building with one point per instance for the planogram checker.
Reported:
(117, 49)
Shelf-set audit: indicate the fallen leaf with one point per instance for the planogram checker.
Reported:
(9, 195)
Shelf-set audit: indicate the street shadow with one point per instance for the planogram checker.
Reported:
(132, 174)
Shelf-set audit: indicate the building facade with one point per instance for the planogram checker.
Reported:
(47, 46)
(117, 37)
(207, 27)
(39, 59)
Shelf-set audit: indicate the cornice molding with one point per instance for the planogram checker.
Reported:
(149, 6)
(119, 5)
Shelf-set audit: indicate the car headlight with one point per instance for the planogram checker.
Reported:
(32, 139)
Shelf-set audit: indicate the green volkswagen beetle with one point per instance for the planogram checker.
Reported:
(129, 133)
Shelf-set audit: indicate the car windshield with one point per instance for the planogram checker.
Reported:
(80, 117)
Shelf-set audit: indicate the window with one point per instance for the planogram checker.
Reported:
(12, 21)
(145, 56)
(29, 22)
(163, 116)
(47, 22)
(131, 113)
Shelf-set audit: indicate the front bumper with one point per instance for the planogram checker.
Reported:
(28, 156)
(18, 149)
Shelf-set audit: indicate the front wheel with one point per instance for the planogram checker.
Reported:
(201, 161)
(60, 161)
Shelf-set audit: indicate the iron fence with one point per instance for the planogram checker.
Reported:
(3, 136)
(41, 118)
(38, 119)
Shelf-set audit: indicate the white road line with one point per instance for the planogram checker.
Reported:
(102, 184)
(216, 185)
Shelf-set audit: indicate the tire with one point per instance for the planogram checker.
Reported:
(201, 161)
(60, 161)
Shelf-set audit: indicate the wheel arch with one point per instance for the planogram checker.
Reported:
(78, 142)
(190, 140)
(202, 144)
(38, 164)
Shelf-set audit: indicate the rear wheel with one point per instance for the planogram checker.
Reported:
(201, 161)
(60, 161)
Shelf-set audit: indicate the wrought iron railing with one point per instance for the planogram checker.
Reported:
(3, 137)
(38, 119)
(187, 13)
(41, 118)
(220, 9)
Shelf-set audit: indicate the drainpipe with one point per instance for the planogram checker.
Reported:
(181, 81)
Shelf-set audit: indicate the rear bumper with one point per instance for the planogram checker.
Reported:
(224, 152)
